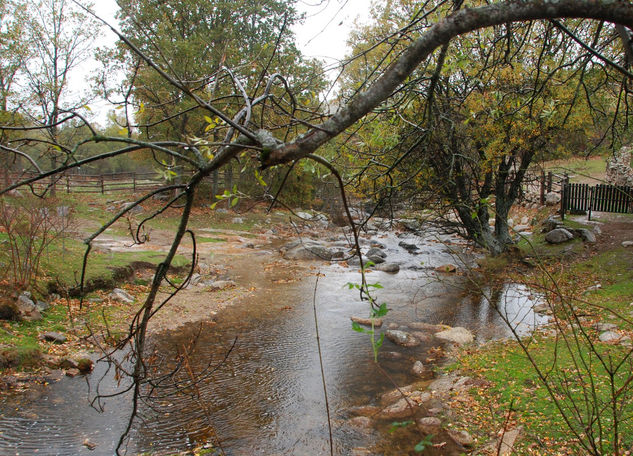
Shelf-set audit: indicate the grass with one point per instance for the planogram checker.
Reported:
(63, 263)
(513, 380)
(580, 169)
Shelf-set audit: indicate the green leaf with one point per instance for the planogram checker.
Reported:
(358, 328)
(214, 204)
(381, 311)
(379, 342)
(234, 202)
(374, 285)
(398, 424)
(424, 444)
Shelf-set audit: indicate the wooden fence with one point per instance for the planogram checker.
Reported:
(599, 198)
(96, 183)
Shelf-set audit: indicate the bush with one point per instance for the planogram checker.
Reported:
(28, 226)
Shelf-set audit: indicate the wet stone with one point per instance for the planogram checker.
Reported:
(408, 246)
(403, 408)
(367, 321)
(391, 268)
(462, 437)
(418, 368)
(376, 252)
(456, 335)
(401, 338)
(430, 425)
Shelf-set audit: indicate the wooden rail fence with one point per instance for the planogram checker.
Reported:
(96, 183)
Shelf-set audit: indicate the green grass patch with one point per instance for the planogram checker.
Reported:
(63, 263)
(205, 239)
(579, 168)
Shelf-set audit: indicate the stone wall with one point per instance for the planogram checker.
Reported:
(619, 170)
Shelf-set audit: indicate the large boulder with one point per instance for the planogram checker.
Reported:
(558, 236)
(308, 251)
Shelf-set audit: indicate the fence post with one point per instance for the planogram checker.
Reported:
(563, 196)
(542, 193)
(67, 183)
(550, 177)
(134, 182)
(102, 185)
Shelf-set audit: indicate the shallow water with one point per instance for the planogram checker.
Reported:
(267, 397)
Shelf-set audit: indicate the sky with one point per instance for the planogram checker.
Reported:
(322, 35)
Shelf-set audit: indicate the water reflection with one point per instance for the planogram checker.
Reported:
(267, 397)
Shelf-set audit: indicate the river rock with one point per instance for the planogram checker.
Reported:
(627, 243)
(403, 408)
(408, 246)
(237, 221)
(550, 224)
(610, 337)
(521, 228)
(558, 236)
(121, 296)
(461, 437)
(391, 396)
(72, 372)
(456, 335)
(216, 285)
(308, 251)
(377, 244)
(600, 326)
(586, 235)
(422, 336)
(367, 321)
(25, 304)
(391, 268)
(374, 251)
(552, 199)
(376, 259)
(401, 338)
(194, 279)
(42, 306)
(420, 325)
(418, 369)
(429, 425)
(449, 383)
(52, 336)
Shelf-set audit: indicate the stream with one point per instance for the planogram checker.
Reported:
(266, 397)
